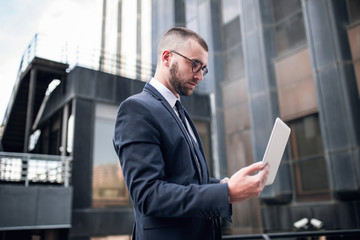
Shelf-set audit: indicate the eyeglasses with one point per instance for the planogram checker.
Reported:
(196, 64)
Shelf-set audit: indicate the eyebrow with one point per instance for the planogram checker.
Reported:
(195, 59)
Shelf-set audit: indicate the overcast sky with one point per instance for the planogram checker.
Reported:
(76, 21)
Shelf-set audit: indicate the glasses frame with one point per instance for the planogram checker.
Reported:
(194, 63)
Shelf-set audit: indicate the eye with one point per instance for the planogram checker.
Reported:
(197, 65)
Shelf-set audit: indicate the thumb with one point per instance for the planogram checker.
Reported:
(254, 167)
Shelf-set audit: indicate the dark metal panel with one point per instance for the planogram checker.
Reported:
(35, 206)
(82, 153)
(102, 222)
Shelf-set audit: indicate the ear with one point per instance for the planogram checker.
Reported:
(166, 57)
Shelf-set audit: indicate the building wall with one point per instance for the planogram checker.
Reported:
(336, 90)
(354, 39)
(259, 69)
(263, 64)
(298, 60)
(277, 73)
(267, 59)
(126, 38)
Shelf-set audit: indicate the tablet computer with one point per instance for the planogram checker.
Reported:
(276, 147)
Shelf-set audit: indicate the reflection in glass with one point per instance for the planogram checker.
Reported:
(203, 128)
(289, 25)
(290, 34)
(354, 10)
(230, 10)
(234, 64)
(190, 9)
(308, 160)
(285, 8)
(108, 187)
(312, 179)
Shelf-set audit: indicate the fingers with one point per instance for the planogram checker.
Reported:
(260, 179)
(265, 173)
(224, 180)
(253, 167)
(244, 184)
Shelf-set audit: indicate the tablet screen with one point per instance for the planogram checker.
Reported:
(276, 147)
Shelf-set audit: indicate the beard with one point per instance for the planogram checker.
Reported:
(177, 82)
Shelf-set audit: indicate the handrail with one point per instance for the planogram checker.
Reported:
(268, 236)
(75, 55)
(35, 168)
(61, 51)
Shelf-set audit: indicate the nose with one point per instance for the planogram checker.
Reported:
(199, 76)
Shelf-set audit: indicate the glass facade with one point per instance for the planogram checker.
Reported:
(259, 56)
(354, 36)
(289, 25)
(194, 18)
(108, 184)
(308, 160)
(203, 128)
(232, 41)
(354, 10)
(126, 38)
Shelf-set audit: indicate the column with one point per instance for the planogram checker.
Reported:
(335, 83)
(30, 108)
(259, 51)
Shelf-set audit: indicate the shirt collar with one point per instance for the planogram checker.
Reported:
(164, 91)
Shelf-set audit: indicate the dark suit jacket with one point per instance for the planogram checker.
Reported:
(170, 199)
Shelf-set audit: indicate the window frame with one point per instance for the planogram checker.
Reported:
(276, 23)
(301, 194)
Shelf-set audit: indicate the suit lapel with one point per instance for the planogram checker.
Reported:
(165, 103)
(149, 88)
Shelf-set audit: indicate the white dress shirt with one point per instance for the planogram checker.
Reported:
(171, 99)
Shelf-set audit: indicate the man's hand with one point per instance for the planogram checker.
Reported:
(224, 180)
(245, 184)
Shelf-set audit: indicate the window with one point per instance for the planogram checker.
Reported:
(289, 25)
(192, 14)
(203, 128)
(108, 187)
(354, 10)
(354, 36)
(308, 161)
(191, 9)
(233, 53)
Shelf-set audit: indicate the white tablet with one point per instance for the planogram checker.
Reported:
(276, 147)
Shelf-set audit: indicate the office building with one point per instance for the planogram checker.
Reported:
(297, 60)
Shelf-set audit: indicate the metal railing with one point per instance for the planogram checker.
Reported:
(35, 168)
(72, 54)
(62, 51)
(321, 234)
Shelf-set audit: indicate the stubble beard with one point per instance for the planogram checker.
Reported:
(176, 81)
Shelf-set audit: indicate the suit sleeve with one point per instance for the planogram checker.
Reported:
(214, 180)
(137, 142)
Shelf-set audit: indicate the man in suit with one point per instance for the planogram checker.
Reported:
(162, 157)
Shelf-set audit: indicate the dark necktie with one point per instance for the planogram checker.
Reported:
(196, 148)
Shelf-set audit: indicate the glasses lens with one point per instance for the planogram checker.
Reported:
(196, 66)
(205, 71)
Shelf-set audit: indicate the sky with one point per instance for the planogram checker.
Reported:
(74, 21)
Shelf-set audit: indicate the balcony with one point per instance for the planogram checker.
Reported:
(35, 191)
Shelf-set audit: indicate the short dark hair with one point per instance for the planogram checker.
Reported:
(177, 35)
(186, 33)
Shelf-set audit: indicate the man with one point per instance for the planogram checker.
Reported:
(161, 153)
